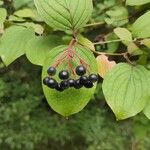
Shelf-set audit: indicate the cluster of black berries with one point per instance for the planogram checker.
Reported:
(83, 81)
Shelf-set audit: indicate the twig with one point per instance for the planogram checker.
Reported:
(106, 42)
(112, 54)
(94, 24)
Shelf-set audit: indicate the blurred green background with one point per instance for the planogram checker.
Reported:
(27, 122)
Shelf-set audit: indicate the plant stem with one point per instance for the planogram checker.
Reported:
(112, 54)
(94, 24)
(106, 42)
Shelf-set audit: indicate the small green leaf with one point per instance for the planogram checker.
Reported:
(85, 42)
(140, 28)
(123, 34)
(13, 43)
(1, 2)
(117, 16)
(126, 89)
(36, 27)
(134, 50)
(22, 3)
(147, 110)
(113, 46)
(38, 48)
(15, 18)
(65, 15)
(146, 42)
(3, 14)
(71, 100)
(136, 2)
(25, 13)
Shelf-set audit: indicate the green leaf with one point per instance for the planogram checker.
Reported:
(71, 100)
(136, 2)
(123, 34)
(134, 50)
(39, 29)
(147, 110)
(1, 2)
(3, 14)
(117, 16)
(15, 19)
(64, 14)
(13, 43)
(126, 89)
(141, 28)
(28, 13)
(22, 3)
(146, 42)
(25, 13)
(38, 48)
(85, 42)
(113, 46)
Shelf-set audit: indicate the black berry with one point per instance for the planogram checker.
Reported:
(88, 84)
(93, 78)
(59, 88)
(52, 83)
(80, 70)
(83, 79)
(64, 75)
(64, 84)
(77, 84)
(46, 80)
(71, 82)
(51, 71)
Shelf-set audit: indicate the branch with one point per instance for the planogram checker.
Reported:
(105, 42)
(94, 24)
(112, 54)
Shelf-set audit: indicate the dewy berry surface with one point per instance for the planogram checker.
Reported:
(51, 71)
(93, 77)
(71, 82)
(77, 84)
(51, 83)
(80, 70)
(64, 74)
(83, 79)
(45, 80)
(59, 88)
(88, 84)
(64, 84)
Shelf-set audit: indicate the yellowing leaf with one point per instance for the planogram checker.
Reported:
(85, 42)
(104, 65)
(133, 49)
(123, 34)
(146, 42)
(25, 13)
